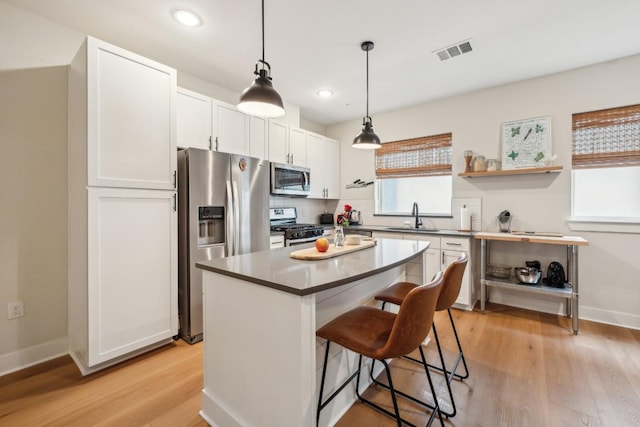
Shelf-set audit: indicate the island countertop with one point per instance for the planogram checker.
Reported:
(276, 269)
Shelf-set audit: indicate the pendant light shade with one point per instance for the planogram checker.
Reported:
(261, 99)
(367, 139)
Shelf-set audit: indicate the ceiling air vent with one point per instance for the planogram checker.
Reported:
(454, 50)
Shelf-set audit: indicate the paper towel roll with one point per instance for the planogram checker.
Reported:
(465, 219)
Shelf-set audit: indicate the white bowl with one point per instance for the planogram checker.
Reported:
(353, 239)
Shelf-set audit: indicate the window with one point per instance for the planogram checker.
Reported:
(414, 170)
(606, 165)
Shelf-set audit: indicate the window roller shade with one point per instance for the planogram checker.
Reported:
(424, 156)
(606, 138)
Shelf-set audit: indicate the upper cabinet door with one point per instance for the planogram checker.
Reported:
(315, 157)
(194, 120)
(278, 142)
(258, 137)
(331, 168)
(229, 129)
(131, 119)
(297, 146)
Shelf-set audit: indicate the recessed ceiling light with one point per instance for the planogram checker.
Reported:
(186, 17)
(324, 93)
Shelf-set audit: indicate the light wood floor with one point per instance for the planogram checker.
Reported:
(527, 369)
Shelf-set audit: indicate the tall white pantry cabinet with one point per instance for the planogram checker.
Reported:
(122, 205)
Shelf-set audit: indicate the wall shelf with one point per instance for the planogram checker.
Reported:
(549, 169)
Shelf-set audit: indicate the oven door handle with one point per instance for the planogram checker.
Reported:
(293, 242)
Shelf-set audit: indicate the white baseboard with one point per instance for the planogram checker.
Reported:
(608, 317)
(24, 358)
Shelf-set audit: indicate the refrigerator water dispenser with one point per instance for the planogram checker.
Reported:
(210, 225)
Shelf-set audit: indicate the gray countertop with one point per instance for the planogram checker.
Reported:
(276, 269)
(389, 229)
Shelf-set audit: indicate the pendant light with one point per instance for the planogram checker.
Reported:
(367, 138)
(261, 99)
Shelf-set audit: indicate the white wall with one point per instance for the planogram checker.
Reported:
(312, 126)
(33, 214)
(610, 266)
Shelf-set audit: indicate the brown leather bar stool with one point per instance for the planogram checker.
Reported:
(382, 335)
(397, 293)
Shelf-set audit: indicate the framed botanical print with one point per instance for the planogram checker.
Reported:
(526, 143)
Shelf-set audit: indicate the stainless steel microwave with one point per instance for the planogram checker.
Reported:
(290, 180)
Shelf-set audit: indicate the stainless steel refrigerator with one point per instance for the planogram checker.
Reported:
(223, 210)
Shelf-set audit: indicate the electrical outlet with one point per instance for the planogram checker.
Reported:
(15, 309)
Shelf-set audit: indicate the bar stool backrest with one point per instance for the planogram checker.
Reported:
(452, 282)
(414, 319)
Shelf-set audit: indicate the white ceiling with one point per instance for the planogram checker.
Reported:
(316, 44)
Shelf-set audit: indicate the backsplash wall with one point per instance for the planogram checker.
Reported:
(308, 210)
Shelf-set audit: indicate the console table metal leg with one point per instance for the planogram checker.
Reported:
(483, 273)
(572, 260)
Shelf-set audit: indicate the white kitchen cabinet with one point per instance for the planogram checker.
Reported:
(258, 146)
(297, 146)
(332, 168)
(432, 255)
(276, 241)
(193, 120)
(315, 154)
(210, 124)
(322, 159)
(127, 107)
(122, 233)
(132, 271)
(287, 144)
(451, 249)
(229, 130)
(278, 142)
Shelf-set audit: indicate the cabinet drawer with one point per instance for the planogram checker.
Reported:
(434, 241)
(276, 241)
(455, 243)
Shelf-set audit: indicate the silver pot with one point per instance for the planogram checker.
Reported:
(354, 217)
(528, 275)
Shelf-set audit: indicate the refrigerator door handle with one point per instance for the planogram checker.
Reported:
(229, 245)
(236, 219)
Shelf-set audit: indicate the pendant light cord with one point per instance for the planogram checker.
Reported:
(263, 34)
(367, 83)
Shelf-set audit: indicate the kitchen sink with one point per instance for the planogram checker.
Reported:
(413, 230)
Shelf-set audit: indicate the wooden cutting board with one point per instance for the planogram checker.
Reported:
(313, 254)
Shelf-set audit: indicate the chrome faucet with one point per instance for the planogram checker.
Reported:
(414, 213)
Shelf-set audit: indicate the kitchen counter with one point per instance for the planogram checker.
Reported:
(261, 311)
(400, 229)
(276, 269)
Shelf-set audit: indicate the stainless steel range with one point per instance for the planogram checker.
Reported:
(285, 220)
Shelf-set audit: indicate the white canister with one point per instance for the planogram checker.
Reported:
(465, 219)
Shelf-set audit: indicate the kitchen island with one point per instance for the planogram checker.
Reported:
(261, 311)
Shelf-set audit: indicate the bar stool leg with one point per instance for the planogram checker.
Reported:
(391, 389)
(324, 373)
(435, 407)
(453, 372)
(433, 392)
(447, 379)
(460, 354)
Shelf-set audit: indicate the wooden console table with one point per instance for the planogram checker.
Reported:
(570, 292)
